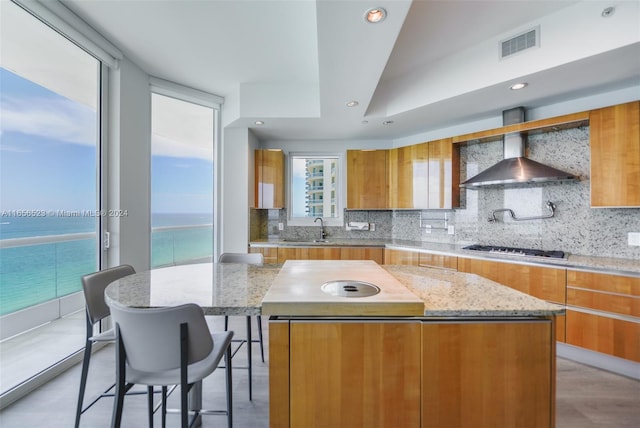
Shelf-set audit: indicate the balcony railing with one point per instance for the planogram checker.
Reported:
(42, 268)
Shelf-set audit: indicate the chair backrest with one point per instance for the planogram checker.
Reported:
(93, 286)
(249, 258)
(151, 336)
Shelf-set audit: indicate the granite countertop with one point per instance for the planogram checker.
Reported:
(619, 266)
(219, 288)
(297, 291)
(439, 293)
(448, 293)
(241, 289)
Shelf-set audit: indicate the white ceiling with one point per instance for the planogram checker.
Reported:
(295, 63)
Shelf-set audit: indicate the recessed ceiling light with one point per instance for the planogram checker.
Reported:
(387, 122)
(364, 122)
(352, 103)
(375, 15)
(259, 122)
(517, 86)
(608, 12)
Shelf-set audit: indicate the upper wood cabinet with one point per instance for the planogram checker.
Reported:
(444, 174)
(269, 179)
(367, 186)
(409, 176)
(615, 156)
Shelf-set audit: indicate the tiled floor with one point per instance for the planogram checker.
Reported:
(586, 397)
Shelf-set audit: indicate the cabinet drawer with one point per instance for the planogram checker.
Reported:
(611, 336)
(604, 282)
(616, 303)
(270, 254)
(541, 282)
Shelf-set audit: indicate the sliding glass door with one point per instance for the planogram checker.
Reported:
(49, 197)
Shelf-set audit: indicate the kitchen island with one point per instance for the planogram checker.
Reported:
(473, 354)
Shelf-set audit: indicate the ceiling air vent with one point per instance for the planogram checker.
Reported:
(519, 43)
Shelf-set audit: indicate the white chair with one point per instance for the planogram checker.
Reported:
(167, 346)
(93, 286)
(254, 259)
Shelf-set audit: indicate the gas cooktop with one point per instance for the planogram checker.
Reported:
(516, 251)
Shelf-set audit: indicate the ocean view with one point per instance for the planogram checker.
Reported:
(32, 274)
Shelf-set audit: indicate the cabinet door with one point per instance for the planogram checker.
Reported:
(292, 253)
(401, 257)
(615, 156)
(363, 253)
(409, 176)
(444, 174)
(269, 178)
(270, 254)
(438, 261)
(367, 179)
(354, 375)
(541, 282)
(488, 374)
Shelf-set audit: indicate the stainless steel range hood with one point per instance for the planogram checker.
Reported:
(515, 168)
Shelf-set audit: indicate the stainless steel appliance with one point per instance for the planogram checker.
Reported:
(512, 251)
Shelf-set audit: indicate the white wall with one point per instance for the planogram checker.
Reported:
(236, 188)
(129, 170)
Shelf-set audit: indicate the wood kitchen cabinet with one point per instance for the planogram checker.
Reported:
(339, 369)
(603, 313)
(488, 374)
(269, 179)
(270, 254)
(308, 253)
(416, 258)
(545, 283)
(615, 155)
(411, 373)
(367, 186)
(409, 176)
(363, 253)
(444, 174)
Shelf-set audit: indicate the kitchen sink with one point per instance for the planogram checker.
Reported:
(350, 288)
(306, 241)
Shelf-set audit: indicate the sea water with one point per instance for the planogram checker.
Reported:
(33, 274)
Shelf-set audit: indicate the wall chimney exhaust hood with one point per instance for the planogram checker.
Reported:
(515, 168)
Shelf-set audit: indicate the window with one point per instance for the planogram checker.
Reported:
(314, 188)
(182, 148)
(49, 168)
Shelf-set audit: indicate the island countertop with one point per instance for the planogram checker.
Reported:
(440, 293)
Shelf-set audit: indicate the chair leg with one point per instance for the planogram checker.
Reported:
(229, 385)
(249, 357)
(83, 380)
(164, 407)
(259, 318)
(150, 404)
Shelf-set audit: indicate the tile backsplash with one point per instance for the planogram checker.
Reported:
(576, 227)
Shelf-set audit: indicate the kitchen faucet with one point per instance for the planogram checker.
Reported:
(322, 234)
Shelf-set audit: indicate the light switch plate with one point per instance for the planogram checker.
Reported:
(634, 239)
(280, 226)
(451, 230)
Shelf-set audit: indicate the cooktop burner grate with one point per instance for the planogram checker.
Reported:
(516, 251)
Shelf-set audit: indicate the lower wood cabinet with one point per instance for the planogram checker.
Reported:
(412, 373)
(488, 374)
(417, 258)
(545, 283)
(603, 313)
(270, 254)
(353, 375)
(363, 253)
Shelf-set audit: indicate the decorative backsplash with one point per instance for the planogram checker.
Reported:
(576, 227)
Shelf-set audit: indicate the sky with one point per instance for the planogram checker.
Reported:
(48, 155)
